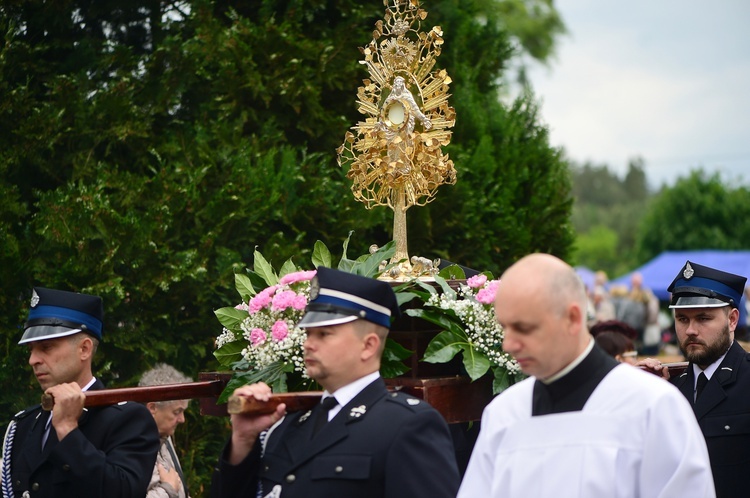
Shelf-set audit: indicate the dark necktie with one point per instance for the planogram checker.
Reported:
(321, 417)
(702, 381)
(176, 465)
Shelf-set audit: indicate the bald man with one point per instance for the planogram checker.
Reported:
(582, 424)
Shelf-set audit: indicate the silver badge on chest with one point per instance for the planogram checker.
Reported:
(357, 411)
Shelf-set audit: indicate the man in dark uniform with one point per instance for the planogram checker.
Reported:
(717, 381)
(72, 451)
(361, 441)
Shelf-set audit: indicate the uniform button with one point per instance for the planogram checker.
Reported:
(726, 427)
(339, 469)
(265, 468)
(291, 478)
(35, 486)
(66, 467)
(26, 494)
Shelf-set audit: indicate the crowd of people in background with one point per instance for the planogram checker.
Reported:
(638, 307)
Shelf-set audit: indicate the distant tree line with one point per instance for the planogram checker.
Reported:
(621, 224)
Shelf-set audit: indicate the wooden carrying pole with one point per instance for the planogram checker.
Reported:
(675, 369)
(189, 390)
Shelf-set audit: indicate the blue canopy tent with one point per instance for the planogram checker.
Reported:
(587, 276)
(660, 271)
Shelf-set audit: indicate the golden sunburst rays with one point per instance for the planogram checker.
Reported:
(394, 157)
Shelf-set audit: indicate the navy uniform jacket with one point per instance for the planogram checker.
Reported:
(110, 455)
(723, 413)
(381, 444)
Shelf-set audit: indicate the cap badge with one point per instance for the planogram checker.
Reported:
(689, 272)
(357, 411)
(412, 401)
(34, 299)
(314, 288)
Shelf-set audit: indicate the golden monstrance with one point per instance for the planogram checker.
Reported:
(395, 155)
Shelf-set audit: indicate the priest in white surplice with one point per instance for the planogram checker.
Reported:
(583, 425)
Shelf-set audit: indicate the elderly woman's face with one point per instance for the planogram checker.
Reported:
(168, 416)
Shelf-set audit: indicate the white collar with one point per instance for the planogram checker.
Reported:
(88, 386)
(348, 392)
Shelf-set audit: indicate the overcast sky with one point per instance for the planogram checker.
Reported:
(666, 80)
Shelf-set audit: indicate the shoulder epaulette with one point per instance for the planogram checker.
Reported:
(26, 412)
(406, 400)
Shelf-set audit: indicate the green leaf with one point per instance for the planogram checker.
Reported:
(446, 288)
(369, 266)
(475, 362)
(395, 351)
(257, 281)
(445, 319)
(454, 272)
(443, 347)
(287, 268)
(230, 352)
(406, 297)
(391, 369)
(322, 256)
(392, 364)
(244, 286)
(233, 384)
(347, 265)
(275, 375)
(230, 317)
(346, 245)
(430, 289)
(502, 380)
(264, 269)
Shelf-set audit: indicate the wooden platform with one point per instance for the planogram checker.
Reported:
(455, 397)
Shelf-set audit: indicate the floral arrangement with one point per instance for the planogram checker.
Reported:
(265, 328)
(260, 340)
(467, 318)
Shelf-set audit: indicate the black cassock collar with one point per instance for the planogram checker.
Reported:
(570, 392)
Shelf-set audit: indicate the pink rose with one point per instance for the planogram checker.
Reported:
(476, 281)
(279, 331)
(486, 296)
(257, 336)
(261, 299)
(283, 300)
(299, 302)
(298, 276)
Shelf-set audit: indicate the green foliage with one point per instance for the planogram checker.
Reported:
(468, 328)
(598, 248)
(606, 215)
(281, 374)
(698, 212)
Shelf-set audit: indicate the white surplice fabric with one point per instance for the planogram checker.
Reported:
(636, 436)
